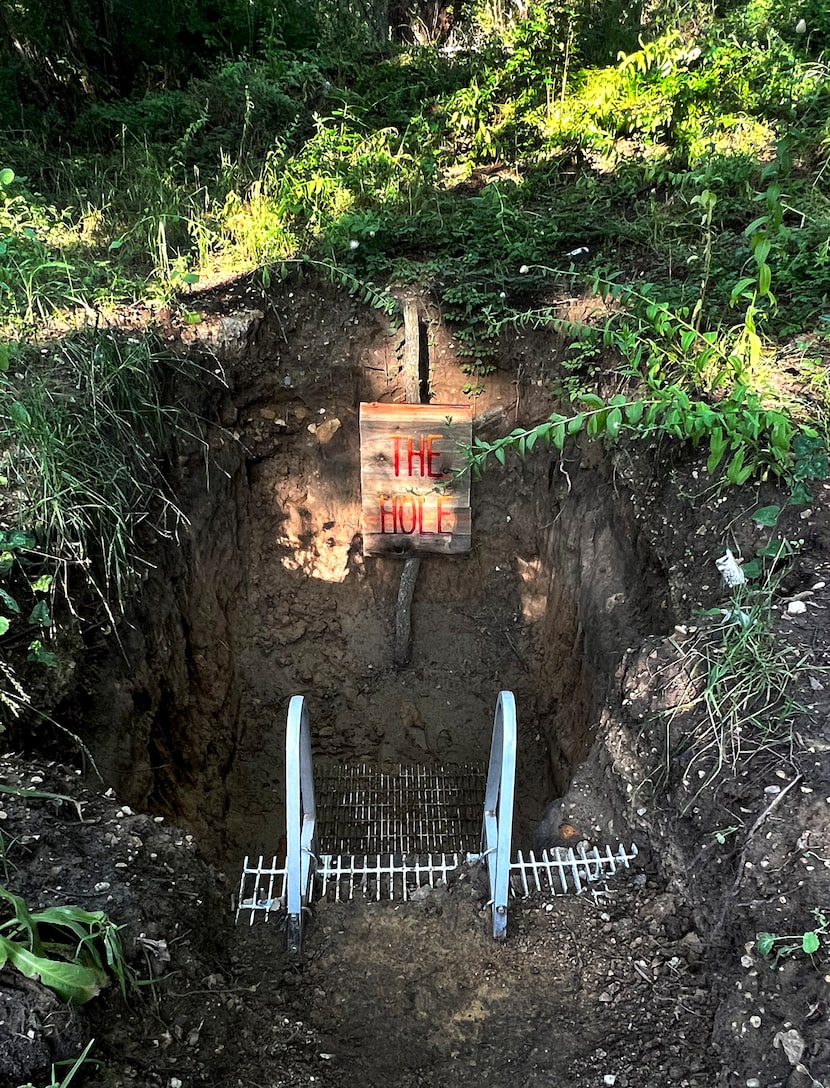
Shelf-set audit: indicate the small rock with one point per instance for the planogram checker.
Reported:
(327, 430)
(791, 1043)
(796, 608)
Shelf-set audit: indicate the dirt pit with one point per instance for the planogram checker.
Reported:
(579, 574)
(269, 595)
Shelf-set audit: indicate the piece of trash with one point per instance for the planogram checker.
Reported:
(729, 569)
(578, 254)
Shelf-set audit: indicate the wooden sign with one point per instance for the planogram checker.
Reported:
(415, 500)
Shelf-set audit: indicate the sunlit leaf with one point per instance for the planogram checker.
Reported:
(613, 422)
(70, 981)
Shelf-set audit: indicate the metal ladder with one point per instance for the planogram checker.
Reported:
(384, 834)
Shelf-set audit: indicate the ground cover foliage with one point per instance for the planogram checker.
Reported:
(664, 167)
(667, 163)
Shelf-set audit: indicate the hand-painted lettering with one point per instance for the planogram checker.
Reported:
(410, 514)
(420, 457)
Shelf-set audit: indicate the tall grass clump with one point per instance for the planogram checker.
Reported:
(84, 428)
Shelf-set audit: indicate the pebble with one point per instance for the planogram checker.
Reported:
(796, 608)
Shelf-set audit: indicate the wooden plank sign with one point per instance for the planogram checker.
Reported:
(414, 500)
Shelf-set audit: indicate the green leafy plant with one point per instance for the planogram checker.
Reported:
(72, 951)
(774, 947)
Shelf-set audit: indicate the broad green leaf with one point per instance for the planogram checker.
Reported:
(42, 584)
(6, 177)
(68, 915)
(116, 243)
(736, 466)
(558, 435)
(776, 549)
(576, 423)
(4, 625)
(591, 400)
(800, 494)
(761, 246)
(764, 279)
(767, 515)
(499, 454)
(40, 615)
(9, 601)
(752, 569)
(634, 411)
(740, 287)
(765, 942)
(70, 981)
(810, 942)
(613, 422)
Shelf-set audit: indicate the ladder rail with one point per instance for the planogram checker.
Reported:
(301, 820)
(497, 824)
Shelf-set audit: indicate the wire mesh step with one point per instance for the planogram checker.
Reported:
(362, 810)
(376, 877)
(564, 870)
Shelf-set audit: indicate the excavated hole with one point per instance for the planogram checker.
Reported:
(268, 595)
